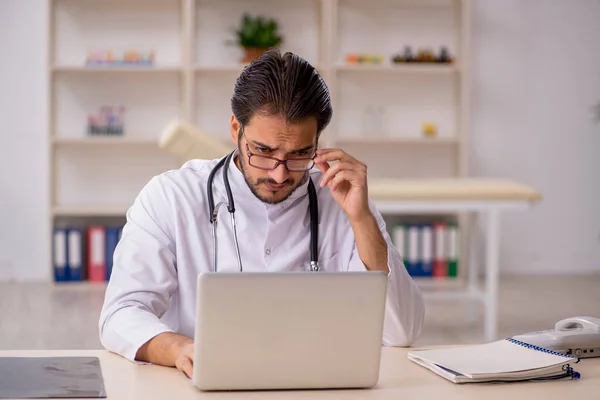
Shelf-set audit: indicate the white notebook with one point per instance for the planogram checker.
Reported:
(504, 360)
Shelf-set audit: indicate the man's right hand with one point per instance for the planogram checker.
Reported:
(170, 350)
(185, 360)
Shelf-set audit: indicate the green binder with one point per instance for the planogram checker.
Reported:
(399, 238)
(453, 249)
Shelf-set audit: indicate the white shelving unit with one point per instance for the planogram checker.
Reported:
(99, 177)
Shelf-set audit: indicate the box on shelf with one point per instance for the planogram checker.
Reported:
(108, 121)
(107, 58)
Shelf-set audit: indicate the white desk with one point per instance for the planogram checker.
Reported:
(399, 379)
(485, 197)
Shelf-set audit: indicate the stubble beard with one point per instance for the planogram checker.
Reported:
(254, 186)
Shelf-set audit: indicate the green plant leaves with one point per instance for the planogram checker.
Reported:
(259, 31)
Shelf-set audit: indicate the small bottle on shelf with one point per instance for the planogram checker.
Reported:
(444, 56)
(408, 54)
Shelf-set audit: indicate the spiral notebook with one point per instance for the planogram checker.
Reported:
(501, 361)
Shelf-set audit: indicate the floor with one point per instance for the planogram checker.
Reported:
(44, 316)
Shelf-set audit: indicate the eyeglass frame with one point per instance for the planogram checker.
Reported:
(278, 161)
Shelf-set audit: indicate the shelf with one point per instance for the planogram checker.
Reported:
(226, 68)
(453, 295)
(113, 141)
(90, 211)
(448, 289)
(400, 68)
(220, 68)
(433, 283)
(397, 140)
(115, 69)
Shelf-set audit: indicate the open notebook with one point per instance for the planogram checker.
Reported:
(503, 360)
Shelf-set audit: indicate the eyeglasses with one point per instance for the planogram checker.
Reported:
(270, 163)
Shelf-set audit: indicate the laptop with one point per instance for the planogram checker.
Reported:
(288, 330)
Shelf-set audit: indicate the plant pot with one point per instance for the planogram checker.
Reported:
(251, 53)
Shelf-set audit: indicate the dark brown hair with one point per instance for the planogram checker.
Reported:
(286, 86)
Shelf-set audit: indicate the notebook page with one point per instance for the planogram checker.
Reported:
(493, 358)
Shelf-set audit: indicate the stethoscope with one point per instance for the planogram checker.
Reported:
(212, 212)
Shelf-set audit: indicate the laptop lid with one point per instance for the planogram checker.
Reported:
(288, 330)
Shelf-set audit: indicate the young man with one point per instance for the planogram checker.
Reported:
(280, 106)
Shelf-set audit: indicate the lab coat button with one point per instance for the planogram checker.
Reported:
(267, 251)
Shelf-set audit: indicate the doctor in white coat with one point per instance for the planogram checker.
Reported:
(280, 106)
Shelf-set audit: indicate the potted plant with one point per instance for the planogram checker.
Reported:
(257, 34)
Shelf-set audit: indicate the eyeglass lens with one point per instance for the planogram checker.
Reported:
(270, 163)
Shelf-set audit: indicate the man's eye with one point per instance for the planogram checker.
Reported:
(302, 153)
(262, 149)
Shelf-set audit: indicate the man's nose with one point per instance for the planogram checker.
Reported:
(279, 174)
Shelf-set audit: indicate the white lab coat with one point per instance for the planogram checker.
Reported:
(167, 242)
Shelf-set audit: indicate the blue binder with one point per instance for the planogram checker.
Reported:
(413, 250)
(112, 238)
(59, 254)
(74, 254)
(426, 251)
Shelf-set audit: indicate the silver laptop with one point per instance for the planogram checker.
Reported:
(288, 330)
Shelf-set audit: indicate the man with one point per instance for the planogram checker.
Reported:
(280, 106)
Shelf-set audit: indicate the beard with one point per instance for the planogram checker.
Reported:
(254, 187)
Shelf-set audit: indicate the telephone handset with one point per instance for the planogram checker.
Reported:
(578, 336)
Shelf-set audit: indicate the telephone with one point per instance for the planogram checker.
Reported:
(578, 336)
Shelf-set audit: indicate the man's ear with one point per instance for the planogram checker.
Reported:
(234, 128)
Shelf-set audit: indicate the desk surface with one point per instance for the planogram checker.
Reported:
(399, 379)
(471, 189)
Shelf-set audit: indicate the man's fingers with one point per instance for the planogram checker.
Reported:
(342, 166)
(334, 170)
(323, 166)
(346, 175)
(188, 351)
(332, 155)
(335, 155)
(339, 178)
(185, 365)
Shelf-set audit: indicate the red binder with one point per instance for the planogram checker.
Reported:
(96, 254)
(440, 255)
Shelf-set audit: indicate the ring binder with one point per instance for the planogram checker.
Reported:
(537, 348)
(499, 361)
(571, 372)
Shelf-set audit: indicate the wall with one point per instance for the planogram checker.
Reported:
(24, 185)
(536, 76)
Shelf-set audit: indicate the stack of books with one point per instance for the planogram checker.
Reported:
(429, 249)
(84, 253)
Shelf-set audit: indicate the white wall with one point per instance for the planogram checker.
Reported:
(24, 186)
(536, 75)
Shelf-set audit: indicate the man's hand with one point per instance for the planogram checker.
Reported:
(347, 181)
(170, 350)
(185, 360)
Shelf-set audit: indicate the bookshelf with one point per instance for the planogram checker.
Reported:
(389, 68)
(379, 109)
